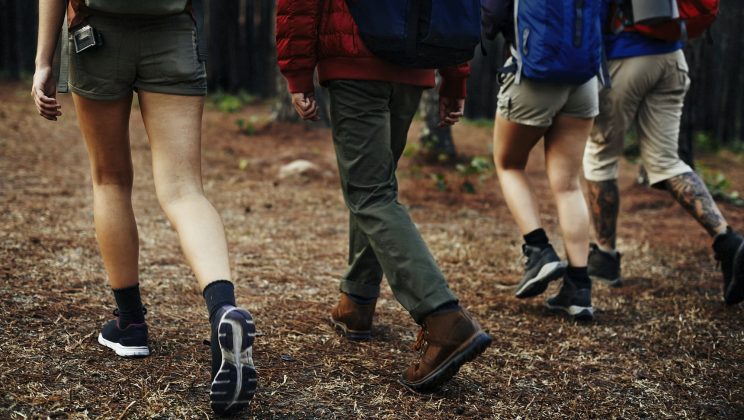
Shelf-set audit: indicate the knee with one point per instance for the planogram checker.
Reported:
(173, 193)
(362, 199)
(118, 178)
(560, 185)
(508, 163)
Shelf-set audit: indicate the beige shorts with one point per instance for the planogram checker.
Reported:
(649, 90)
(537, 103)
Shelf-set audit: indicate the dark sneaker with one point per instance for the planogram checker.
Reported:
(604, 266)
(447, 340)
(729, 250)
(352, 319)
(542, 267)
(234, 378)
(576, 302)
(126, 342)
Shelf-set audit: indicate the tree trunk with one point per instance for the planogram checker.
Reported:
(437, 144)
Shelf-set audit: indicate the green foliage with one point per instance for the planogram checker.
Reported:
(479, 166)
(440, 182)
(480, 122)
(229, 103)
(411, 150)
(247, 127)
(704, 142)
(719, 186)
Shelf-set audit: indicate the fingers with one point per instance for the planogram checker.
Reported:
(306, 106)
(450, 118)
(450, 111)
(48, 107)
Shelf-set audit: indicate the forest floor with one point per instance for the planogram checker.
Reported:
(663, 346)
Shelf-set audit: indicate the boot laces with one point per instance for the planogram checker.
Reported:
(421, 340)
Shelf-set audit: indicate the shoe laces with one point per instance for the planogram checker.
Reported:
(421, 340)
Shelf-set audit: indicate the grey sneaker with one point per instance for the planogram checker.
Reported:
(604, 266)
(233, 372)
(542, 267)
(577, 303)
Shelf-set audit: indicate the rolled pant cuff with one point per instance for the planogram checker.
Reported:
(367, 291)
(430, 303)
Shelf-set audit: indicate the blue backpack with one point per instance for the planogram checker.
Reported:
(557, 41)
(425, 34)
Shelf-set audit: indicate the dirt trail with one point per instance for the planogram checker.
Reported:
(663, 346)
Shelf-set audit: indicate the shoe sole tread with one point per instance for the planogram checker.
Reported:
(236, 381)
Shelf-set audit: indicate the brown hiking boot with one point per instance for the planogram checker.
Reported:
(447, 340)
(354, 320)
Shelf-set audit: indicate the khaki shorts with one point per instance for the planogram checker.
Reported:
(154, 54)
(537, 103)
(649, 90)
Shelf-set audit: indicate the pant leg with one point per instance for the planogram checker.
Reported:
(364, 275)
(367, 156)
(659, 119)
(618, 107)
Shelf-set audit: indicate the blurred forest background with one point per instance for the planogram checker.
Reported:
(242, 61)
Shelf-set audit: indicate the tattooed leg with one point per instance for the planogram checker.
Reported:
(604, 201)
(690, 191)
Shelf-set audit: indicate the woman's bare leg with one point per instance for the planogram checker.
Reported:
(512, 144)
(173, 124)
(564, 149)
(105, 128)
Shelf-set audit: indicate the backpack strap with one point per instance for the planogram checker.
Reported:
(201, 39)
(63, 73)
(516, 48)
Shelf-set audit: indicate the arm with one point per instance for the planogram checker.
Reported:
(297, 23)
(43, 90)
(452, 93)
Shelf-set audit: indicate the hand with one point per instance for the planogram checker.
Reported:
(450, 110)
(306, 106)
(44, 90)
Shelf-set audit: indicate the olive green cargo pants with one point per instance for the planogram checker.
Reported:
(370, 126)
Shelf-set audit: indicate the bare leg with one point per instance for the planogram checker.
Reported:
(173, 124)
(564, 148)
(105, 128)
(512, 144)
(604, 200)
(690, 191)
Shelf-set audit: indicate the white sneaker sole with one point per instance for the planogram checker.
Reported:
(124, 351)
(575, 311)
(548, 272)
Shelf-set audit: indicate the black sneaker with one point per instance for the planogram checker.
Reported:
(574, 301)
(542, 267)
(604, 266)
(126, 342)
(729, 250)
(234, 376)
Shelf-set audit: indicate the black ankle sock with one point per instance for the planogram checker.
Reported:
(129, 303)
(579, 276)
(218, 294)
(537, 237)
(360, 300)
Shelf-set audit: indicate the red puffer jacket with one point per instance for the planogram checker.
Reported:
(323, 33)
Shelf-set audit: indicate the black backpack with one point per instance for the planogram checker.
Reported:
(425, 34)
